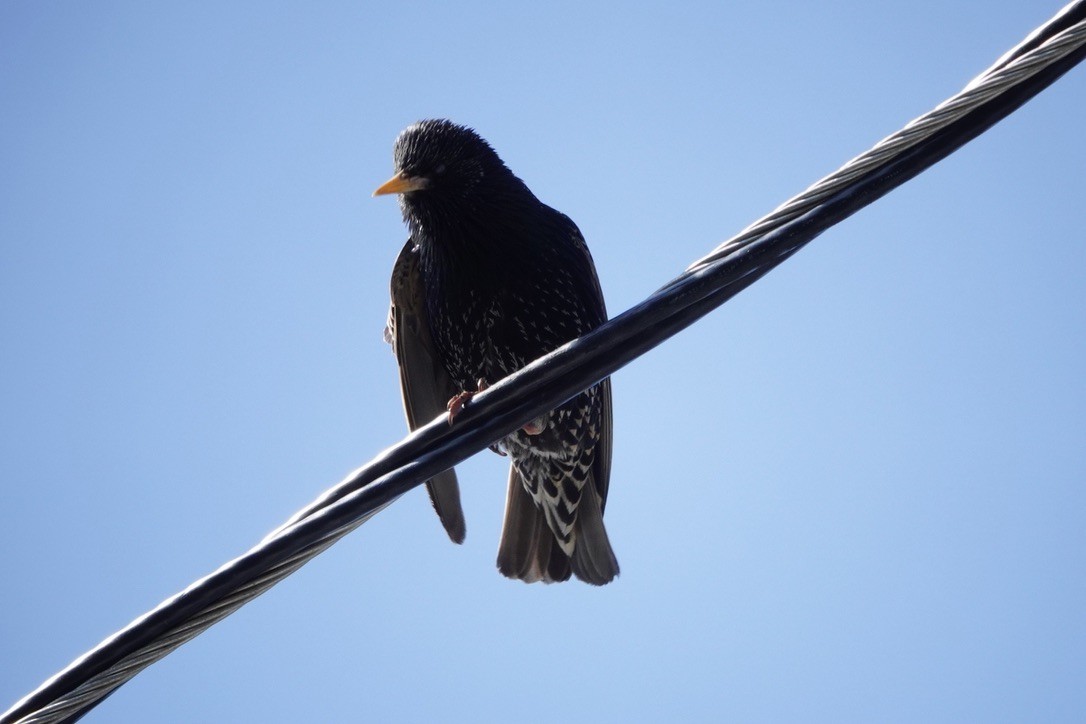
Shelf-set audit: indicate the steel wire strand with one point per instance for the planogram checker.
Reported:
(982, 89)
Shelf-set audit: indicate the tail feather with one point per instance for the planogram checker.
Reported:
(593, 559)
(528, 550)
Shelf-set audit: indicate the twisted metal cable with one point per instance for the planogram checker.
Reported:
(94, 690)
(1017, 76)
(1009, 71)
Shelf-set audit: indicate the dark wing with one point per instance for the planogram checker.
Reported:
(601, 464)
(593, 559)
(587, 279)
(425, 384)
(529, 549)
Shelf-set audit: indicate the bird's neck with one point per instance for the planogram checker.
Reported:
(481, 235)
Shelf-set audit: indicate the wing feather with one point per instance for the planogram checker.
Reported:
(425, 384)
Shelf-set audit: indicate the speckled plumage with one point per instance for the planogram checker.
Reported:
(501, 279)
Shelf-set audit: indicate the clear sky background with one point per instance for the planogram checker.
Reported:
(855, 493)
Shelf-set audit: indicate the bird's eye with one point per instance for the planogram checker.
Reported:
(440, 169)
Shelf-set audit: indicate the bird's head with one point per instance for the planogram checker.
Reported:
(439, 160)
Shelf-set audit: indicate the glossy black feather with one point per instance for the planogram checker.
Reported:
(505, 280)
(424, 383)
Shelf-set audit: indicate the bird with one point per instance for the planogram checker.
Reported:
(490, 279)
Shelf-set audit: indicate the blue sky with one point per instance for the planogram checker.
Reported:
(854, 493)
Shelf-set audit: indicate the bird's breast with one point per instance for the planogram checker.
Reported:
(494, 307)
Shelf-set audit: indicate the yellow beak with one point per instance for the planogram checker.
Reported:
(401, 184)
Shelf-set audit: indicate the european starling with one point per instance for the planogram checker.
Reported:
(490, 279)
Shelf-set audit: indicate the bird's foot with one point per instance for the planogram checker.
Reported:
(536, 426)
(457, 402)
